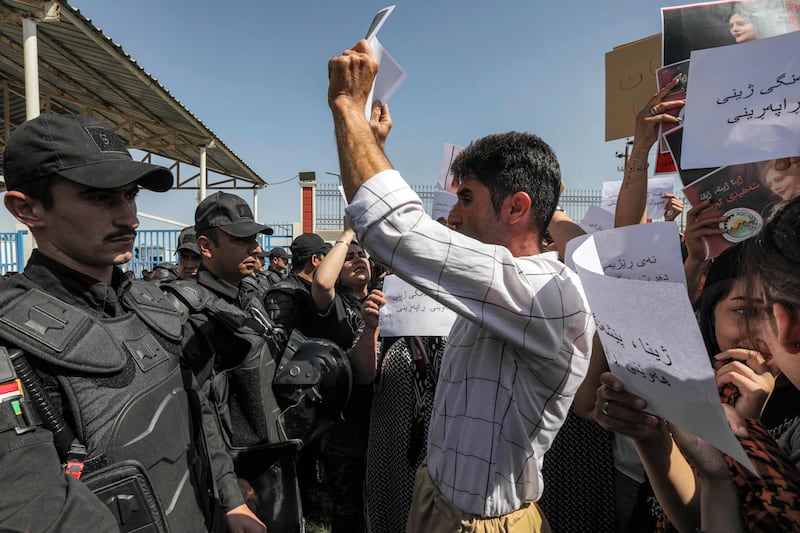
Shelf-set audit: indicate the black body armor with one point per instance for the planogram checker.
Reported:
(128, 400)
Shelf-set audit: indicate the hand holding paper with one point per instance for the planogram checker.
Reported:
(668, 367)
(390, 74)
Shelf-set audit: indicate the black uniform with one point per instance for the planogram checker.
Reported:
(108, 358)
(228, 342)
(273, 276)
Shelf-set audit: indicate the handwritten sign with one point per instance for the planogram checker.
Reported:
(645, 252)
(630, 79)
(596, 219)
(743, 103)
(443, 202)
(667, 366)
(409, 311)
(656, 188)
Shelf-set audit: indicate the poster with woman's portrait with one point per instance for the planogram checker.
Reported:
(712, 24)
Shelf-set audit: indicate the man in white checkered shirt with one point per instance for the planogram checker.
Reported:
(520, 346)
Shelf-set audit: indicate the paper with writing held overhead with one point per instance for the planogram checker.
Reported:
(667, 366)
(596, 219)
(656, 187)
(408, 311)
(390, 74)
(743, 103)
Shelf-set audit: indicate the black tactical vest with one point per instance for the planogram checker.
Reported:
(127, 393)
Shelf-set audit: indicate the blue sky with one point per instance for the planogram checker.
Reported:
(255, 72)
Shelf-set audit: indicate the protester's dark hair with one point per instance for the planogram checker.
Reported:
(704, 312)
(772, 258)
(510, 162)
(40, 190)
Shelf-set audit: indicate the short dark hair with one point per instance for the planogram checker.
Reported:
(40, 190)
(511, 162)
(211, 234)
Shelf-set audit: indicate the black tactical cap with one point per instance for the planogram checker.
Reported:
(187, 240)
(80, 149)
(306, 245)
(229, 213)
(279, 253)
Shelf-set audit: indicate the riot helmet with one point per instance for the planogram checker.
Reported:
(315, 376)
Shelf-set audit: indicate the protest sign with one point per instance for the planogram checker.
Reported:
(443, 202)
(668, 367)
(656, 189)
(737, 194)
(674, 139)
(408, 311)
(743, 114)
(630, 78)
(596, 219)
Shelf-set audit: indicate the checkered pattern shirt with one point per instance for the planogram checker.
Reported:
(515, 356)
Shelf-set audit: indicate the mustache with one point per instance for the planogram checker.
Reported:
(127, 232)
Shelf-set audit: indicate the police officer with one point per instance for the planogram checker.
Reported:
(99, 355)
(188, 259)
(230, 344)
(278, 265)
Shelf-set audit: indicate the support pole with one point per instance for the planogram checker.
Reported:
(31, 59)
(203, 173)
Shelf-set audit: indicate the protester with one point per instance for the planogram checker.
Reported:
(401, 410)
(289, 303)
(339, 289)
(106, 375)
(723, 496)
(521, 314)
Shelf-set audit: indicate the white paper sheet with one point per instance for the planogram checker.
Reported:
(656, 187)
(390, 74)
(596, 219)
(378, 20)
(743, 103)
(445, 181)
(443, 202)
(656, 350)
(408, 311)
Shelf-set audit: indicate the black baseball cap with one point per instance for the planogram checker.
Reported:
(79, 148)
(229, 213)
(279, 253)
(187, 240)
(306, 245)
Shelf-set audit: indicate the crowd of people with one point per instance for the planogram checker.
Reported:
(238, 390)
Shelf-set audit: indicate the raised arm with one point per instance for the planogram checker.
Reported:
(364, 352)
(323, 288)
(632, 200)
(350, 78)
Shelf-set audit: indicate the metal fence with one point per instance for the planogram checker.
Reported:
(153, 247)
(330, 204)
(12, 251)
